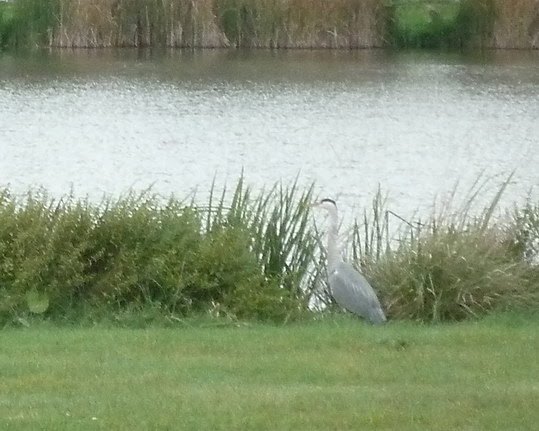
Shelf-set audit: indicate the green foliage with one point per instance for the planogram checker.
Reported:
(434, 24)
(136, 251)
(266, 23)
(453, 265)
(302, 23)
(474, 22)
(6, 23)
(423, 24)
(252, 256)
(40, 250)
(246, 260)
(236, 21)
(450, 275)
(32, 22)
(274, 228)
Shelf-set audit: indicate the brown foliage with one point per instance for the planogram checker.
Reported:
(220, 23)
(516, 24)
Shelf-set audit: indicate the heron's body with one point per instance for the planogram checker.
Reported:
(349, 287)
(352, 291)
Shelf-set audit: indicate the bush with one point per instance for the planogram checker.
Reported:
(474, 23)
(246, 260)
(446, 274)
(452, 266)
(423, 24)
(463, 24)
(41, 244)
(253, 257)
(6, 23)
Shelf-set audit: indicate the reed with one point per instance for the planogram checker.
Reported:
(516, 24)
(498, 24)
(201, 23)
(303, 23)
(247, 255)
(270, 23)
(459, 263)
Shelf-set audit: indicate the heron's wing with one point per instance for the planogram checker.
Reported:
(353, 292)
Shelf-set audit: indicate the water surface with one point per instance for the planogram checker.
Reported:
(104, 121)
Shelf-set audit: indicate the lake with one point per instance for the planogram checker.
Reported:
(104, 121)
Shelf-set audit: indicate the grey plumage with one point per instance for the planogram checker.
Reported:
(353, 292)
(349, 288)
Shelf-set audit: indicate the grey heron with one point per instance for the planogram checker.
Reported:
(349, 288)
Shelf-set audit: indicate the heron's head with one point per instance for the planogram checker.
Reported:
(327, 204)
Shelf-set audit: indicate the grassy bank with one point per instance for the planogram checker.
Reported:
(255, 256)
(330, 374)
(271, 23)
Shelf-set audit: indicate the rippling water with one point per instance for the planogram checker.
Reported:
(415, 123)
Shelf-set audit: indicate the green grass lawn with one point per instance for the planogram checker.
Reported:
(326, 375)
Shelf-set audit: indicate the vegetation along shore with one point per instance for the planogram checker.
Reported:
(255, 256)
(270, 23)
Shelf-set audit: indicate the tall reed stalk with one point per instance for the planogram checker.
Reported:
(270, 23)
(303, 23)
(461, 262)
(256, 255)
(516, 24)
(203, 23)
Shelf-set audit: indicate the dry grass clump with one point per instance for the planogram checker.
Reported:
(137, 23)
(454, 265)
(516, 24)
(270, 23)
(201, 23)
(499, 23)
(303, 23)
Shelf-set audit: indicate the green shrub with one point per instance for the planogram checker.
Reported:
(448, 274)
(6, 23)
(423, 24)
(246, 256)
(276, 239)
(138, 250)
(34, 22)
(246, 260)
(452, 266)
(431, 24)
(474, 22)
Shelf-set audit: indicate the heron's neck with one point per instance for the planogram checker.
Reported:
(333, 251)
